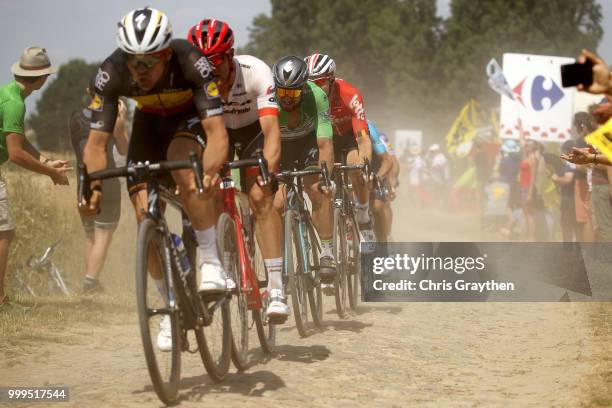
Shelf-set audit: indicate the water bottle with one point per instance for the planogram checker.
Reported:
(182, 255)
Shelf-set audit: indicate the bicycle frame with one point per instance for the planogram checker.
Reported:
(244, 236)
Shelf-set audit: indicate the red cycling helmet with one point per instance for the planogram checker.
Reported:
(211, 36)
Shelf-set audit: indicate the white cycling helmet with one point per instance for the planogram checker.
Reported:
(144, 31)
(320, 65)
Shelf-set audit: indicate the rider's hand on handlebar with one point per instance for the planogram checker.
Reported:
(209, 181)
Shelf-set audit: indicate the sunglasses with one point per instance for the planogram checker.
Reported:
(288, 93)
(217, 59)
(146, 61)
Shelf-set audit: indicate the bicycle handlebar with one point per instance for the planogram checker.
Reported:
(257, 161)
(139, 169)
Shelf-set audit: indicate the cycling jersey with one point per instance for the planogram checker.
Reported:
(299, 147)
(378, 145)
(188, 79)
(346, 109)
(252, 94)
(314, 111)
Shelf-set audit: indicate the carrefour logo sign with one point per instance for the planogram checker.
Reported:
(539, 93)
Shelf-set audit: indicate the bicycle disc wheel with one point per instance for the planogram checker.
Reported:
(354, 263)
(266, 330)
(340, 253)
(164, 366)
(315, 296)
(297, 284)
(229, 253)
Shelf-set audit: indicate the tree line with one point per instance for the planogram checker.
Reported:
(414, 68)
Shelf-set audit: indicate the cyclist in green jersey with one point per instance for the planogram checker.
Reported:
(306, 141)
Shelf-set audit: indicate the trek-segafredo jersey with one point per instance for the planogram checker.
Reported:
(252, 94)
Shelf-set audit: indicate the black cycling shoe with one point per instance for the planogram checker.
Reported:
(327, 269)
(92, 286)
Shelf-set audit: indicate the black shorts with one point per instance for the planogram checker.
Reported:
(250, 139)
(343, 144)
(110, 208)
(152, 134)
(299, 153)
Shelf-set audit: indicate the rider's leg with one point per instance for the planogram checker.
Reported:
(202, 211)
(97, 245)
(362, 192)
(322, 214)
(382, 223)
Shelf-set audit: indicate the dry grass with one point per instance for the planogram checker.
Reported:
(44, 213)
(600, 382)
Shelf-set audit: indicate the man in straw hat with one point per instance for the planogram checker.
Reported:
(30, 74)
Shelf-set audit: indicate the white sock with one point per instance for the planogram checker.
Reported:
(327, 247)
(207, 244)
(275, 272)
(363, 215)
(160, 284)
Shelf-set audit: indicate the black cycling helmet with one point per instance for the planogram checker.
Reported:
(290, 72)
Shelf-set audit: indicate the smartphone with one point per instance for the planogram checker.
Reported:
(575, 74)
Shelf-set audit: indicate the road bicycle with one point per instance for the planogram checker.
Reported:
(41, 276)
(238, 249)
(346, 236)
(166, 282)
(301, 250)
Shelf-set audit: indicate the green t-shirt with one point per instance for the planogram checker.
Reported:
(314, 111)
(12, 114)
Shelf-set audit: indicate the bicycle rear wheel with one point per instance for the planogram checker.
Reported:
(266, 330)
(295, 272)
(340, 253)
(153, 312)
(354, 263)
(229, 253)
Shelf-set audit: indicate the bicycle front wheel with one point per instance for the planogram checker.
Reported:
(155, 315)
(354, 263)
(229, 253)
(295, 272)
(315, 295)
(266, 330)
(340, 253)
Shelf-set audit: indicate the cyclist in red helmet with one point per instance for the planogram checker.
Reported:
(250, 112)
(351, 134)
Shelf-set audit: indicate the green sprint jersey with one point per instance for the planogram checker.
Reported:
(314, 110)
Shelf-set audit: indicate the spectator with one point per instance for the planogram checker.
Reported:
(564, 180)
(99, 228)
(584, 124)
(30, 74)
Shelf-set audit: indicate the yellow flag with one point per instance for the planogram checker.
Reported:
(602, 139)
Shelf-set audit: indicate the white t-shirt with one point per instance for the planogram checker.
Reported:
(252, 94)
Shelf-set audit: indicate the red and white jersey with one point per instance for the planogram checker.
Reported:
(252, 94)
(346, 109)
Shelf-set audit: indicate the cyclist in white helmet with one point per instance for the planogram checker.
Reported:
(178, 111)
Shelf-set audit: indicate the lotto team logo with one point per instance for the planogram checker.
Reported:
(538, 93)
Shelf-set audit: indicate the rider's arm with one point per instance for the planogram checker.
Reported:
(217, 144)
(120, 132)
(94, 154)
(324, 128)
(272, 141)
(386, 166)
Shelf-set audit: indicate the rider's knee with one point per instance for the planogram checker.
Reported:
(260, 201)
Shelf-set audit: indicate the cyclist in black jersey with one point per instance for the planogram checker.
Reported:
(178, 111)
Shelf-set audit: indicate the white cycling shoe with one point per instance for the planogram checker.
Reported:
(278, 307)
(164, 337)
(213, 279)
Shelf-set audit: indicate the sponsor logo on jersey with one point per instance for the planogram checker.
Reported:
(97, 103)
(214, 112)
(102, 77)
(203, 67)
(97, 125)
(212, 91)
(357, 107)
